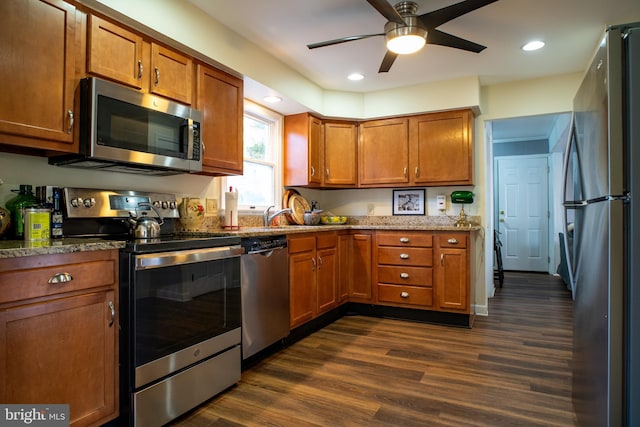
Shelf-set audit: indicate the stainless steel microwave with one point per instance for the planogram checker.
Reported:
(125, 130)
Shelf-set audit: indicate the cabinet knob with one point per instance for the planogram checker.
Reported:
(405, 172)
(404, 275)
(404, 294)
(452, 241)
(156, 72)
(140, 69)
(60, 278)
(404, 240)
(417, 172)
(404, 256)
(326, 172)
(313, 261)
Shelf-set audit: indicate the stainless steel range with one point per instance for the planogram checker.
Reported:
(180, 312)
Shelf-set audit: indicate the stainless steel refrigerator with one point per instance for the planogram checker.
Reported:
(602, 233)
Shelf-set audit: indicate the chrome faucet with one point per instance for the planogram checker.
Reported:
(269, 218)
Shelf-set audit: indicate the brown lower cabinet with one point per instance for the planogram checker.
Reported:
(313, 275)
(58, 339)
(420, 270)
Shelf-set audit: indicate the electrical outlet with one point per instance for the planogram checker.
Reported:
(370, 208)
(211, 208)
(442, 202)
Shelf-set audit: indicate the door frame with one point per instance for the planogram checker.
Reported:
(551, 250)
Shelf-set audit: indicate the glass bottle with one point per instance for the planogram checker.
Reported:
(56, 215)
(24, 199)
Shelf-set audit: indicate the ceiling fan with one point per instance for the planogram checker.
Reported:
(405, 27)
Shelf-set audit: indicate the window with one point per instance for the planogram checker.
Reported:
(260, 186)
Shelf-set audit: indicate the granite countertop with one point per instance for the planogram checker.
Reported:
(20, 248)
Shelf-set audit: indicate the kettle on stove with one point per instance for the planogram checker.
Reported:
(143, 226)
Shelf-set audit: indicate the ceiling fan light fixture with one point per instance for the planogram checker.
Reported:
(407, 44)
(405, 39)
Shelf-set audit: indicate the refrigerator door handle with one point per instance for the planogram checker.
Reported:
(569, 205)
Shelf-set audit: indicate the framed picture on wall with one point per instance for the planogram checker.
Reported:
(409, 202)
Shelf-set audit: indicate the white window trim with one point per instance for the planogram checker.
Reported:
(253, 109)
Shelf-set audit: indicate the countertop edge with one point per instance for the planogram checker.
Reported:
(19, 248)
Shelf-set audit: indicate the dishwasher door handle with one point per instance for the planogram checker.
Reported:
(264, 252)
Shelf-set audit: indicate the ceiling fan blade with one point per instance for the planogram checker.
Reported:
(387, 11)
(444, 39)
(438, 17)
(387, 61)
(341, 40)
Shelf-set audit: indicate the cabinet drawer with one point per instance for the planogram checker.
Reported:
(327, 240)
(452, 240)
(405, 239)
(87, 270)
(411, 295)
(421, 257)
(301, 244)
(416, 276)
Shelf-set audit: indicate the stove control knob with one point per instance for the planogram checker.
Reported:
(165, 205)
(172, 205)
(89, 202)
(76, 202)
(156, 204)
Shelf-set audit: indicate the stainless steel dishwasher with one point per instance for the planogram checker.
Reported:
(264, 292)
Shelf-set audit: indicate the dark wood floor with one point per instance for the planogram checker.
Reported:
(511, 369)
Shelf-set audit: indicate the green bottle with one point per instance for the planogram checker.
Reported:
(16, 205)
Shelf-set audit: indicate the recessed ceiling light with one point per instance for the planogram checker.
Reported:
(533, 45)
(355, 76)
(272, 99)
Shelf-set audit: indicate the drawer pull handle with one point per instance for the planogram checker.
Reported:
(404, 275)
(452, 241)
(60, 278)
(404, 294)
(112, 311)
(441, 259)
(313, 261)
(313, 171)
(156, 71)
(404, 256)
(140, 69)
(404, 240)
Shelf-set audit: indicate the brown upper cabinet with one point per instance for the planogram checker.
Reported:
(340, 154)
(220, 98)
(320, 153)
(383, 153)
(38, 69)
(424, 150)
(441, 149)
(121, 55)
(302, 146)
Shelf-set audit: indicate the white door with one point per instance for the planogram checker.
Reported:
(523, 212)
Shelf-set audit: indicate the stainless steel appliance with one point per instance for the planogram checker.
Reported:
(125, 130)
(180, 311)
(265, 293)
(602, 234)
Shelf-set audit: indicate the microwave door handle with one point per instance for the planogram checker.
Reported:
(189, 134)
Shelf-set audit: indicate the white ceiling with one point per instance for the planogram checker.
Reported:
(571, 30)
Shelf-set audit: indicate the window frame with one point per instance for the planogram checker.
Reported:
(276, 125)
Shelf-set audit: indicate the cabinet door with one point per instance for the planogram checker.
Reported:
(340, 147)
(220, 98)
(361, 284)
(452, 280)
(441, 148)
(171, 74)
(383, 152)
(327, 279)
(115, 53)
(302, 150)
(302, 280)
(62, 351)
(38, 72)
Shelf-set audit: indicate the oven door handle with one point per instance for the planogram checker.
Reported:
(168, 259)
